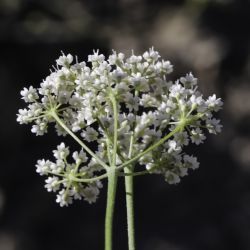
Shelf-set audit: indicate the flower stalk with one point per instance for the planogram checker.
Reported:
(129, 190)
(111, 193)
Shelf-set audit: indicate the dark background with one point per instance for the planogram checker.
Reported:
(209, 209)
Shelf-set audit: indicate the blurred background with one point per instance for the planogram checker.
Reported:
(209, 209)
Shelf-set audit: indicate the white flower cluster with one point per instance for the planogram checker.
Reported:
(64, 177)
(149, 107)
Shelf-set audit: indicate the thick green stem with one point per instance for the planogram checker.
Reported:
(111, 192)
(129, 186)
(129, 189)
(112, 181)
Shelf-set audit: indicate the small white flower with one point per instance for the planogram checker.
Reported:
(23, 116)
(181, 138)
(61, 152)
(57, 167)
(151, 55)
(132, 102)
(163, 66)
(139, 82)
(29, 95)
(89, 134)
(176, 90)
(214, 126)
(65, 60)
(196, 100)
(40, 128)
(90, 194)
(167, 67)
(116, 58)
(189, 80)
(119, 74)
(78, 121)
(183, 171)
(197, 136)
(64, 96)
(147, 101)
(42, 167)
(149, 166)
(122, 88)
(172, 178)
(134, 59)
(60, 131)
(74, 192)
(147, 118)
(80, 157)
(63, 198)
(214, 103)
(52, 184)
(191, 162)
(36, 109)
(96, 57)
(169, 106)
(150, 135)
(173, 147)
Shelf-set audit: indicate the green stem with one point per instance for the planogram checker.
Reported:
(111, 192)
(108, 151)
(62, 124)
(112, 181)
(90, 180)
(129, 189)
